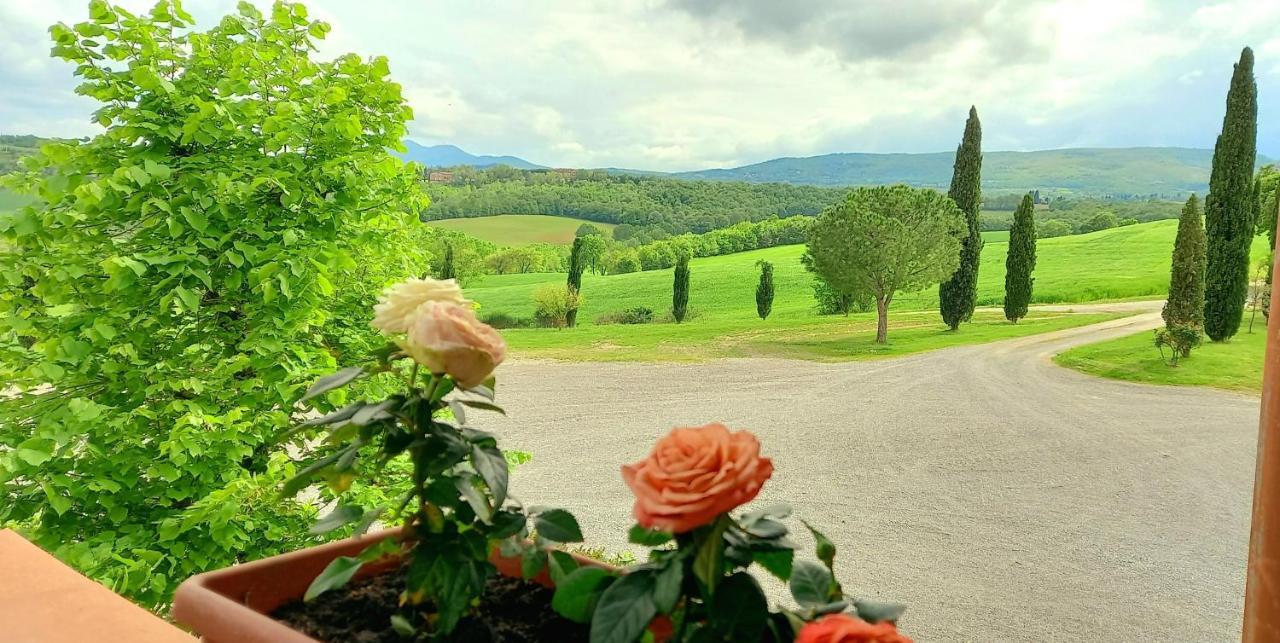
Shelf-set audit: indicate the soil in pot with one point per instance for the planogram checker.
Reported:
(510, 610)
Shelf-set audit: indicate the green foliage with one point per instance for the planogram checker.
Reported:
(764, 290)
(588, 230)
(466, 253)
(1268, 201)
(621, 261)
(454, 509)
(1104, 220)
(1020, 262)
(169, 292)
(447, 270)
(634, 315)
(541, 257)
(554, 304)
(1185, 305)
(958, 295)
(593, 252)
(680, 289)
(1053, 228)
(1228, 212)
(1179, 339)
(577, 263)
(645, 204)
(886, 240)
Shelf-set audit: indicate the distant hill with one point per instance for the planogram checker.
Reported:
(451, 155)
(1169, 171)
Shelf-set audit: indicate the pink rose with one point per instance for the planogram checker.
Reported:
(447, 338)
(694, 475)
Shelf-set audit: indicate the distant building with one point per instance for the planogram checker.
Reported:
(440, 177)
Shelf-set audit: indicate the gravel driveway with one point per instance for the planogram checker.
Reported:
(1000, 496)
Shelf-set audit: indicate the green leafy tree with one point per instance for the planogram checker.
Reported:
(958, 295)
(680, 289)
(1185, 305)
(167, 294)
(593, 250)
(764, 290)
(1228, 210)
(574, 282)
(1020, 262)
(885, 240)
(1101, 221)
(446, 265)
(1053, 228)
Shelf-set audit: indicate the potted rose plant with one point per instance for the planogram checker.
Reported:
(697, 572)
(425, 579)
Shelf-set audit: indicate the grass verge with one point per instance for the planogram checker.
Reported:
(1235, 365)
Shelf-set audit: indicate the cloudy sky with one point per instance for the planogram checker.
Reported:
(691, 84)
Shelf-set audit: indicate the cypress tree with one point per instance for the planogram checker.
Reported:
(1228, 211)
(680, 289)
(1186, 276)
(1021, 261)
(446, 267)
(957, 295)
(764, 291)
(576, 266)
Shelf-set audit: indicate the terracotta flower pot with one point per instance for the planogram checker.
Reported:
(231, 605)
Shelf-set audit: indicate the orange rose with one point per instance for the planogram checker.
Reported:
(694, 475)
(842, 628)
(447, 338)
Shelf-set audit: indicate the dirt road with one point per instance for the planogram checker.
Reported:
(1002, 497)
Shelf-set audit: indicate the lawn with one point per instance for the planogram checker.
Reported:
(1121, 263)
(1235, 365)
(827, 338)
(520, 229)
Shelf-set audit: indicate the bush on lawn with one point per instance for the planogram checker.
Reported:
(634, 315)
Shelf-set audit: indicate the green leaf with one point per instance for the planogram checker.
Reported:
(36, 451)
(708, 565)
(560, 565)
(557, 525)
(778, 562)
(824, 548)
(767, 529)
(739, 609)
(624, 610)
(666, 586)
(195, 219)
(59, 502)
(402, 626)
(476, 404)
(492, 466)
(341, 515)
(640, 535)
(336, 574)
(875, 612)
(474, 497)
(532, 562)
(776, 512)
(810, 584)
(578, 592)
(506, 523)
(330, 382)
(340, 415)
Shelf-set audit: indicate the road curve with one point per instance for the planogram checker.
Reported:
(1001, 496)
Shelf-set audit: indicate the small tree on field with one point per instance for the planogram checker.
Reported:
(593, 252)
(958, 295)
(1229, 208)
(680, 289)
(1179, 339)
(446, 266)
(1185, 305)
(1020, 262)
(576, 265)
(883, 240)
(764, 290)
(553, 305)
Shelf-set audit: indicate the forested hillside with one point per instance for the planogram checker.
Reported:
(673, 205)
(1121, 172)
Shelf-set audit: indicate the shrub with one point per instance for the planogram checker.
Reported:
(1053, 228)
(635, 315)
(621, 261)
(1179, 339)
(503, 321)
(1100, 221)
(553, 305)
(215, 222)
(1127, 221)
(832, 302)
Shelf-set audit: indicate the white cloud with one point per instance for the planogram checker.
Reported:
(682, 84)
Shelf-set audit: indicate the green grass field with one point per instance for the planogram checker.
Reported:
(1121, 263)
(825, 338)
(520, 229)
(1235, 365)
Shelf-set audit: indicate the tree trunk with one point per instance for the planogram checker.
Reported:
(882, 320)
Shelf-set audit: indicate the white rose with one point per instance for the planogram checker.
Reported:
(394, 311)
